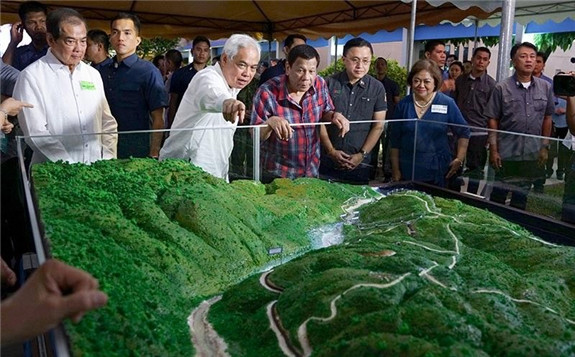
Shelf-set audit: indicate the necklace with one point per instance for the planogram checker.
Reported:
(426, 104)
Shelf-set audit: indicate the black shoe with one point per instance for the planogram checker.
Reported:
(549, 174)
(559, 176)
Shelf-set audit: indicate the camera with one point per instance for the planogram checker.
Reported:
(564, 84)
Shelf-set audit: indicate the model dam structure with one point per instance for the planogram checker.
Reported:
(194, 265)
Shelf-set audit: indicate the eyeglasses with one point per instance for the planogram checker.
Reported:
(426, 82)
(357, 60)
(242, 66)
(73, 42)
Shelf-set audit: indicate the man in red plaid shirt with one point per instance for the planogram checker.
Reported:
(298, 97)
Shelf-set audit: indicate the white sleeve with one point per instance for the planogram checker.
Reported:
(34, 121)
(109, 125)
(213, 92)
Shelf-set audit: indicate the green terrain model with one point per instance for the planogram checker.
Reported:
(414, 275)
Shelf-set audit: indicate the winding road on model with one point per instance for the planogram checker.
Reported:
(208, 343)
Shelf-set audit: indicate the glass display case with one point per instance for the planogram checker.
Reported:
(475, 186)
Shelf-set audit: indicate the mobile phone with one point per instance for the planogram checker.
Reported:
(564, 84)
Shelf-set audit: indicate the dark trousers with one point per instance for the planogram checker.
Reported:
(357, 176)
(242, 158)
(559, 151)
(568, 210)
(15, 224)
(133, 145)
(475, 161)
(515, 177)
(385, 156)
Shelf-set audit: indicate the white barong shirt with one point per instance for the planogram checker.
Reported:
(69, 107)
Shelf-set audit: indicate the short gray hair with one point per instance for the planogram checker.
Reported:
(61, 16)
(237, 41)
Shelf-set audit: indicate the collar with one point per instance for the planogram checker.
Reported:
(284, 94)
(32, 48)
(344, 78)
(56, 65)
(103, 63)
(218, 69)
(519, 84)
(128, 61)
(470, 76)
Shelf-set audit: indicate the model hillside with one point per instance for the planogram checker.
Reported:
(416, 276)
(163, 236)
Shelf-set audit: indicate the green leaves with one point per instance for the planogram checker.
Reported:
(151, 47)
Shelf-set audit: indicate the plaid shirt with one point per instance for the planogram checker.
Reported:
(298, 156)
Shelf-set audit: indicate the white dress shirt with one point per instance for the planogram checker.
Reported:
(210, 145)
(68, 106)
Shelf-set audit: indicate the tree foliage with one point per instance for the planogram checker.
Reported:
(150, 47)
(549, 42)
(394, 71)
(545, 42)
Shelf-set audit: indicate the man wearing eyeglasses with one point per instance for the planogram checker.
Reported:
(67, 96)
(210, 111)
(359, 97)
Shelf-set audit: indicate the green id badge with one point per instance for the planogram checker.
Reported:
(85, 85)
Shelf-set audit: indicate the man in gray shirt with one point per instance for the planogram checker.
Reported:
(359, 97)
(472, 91)
(522, 104)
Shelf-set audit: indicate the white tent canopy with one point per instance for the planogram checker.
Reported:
(525, 10)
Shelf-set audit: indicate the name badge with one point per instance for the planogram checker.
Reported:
(439, 108)
(85, 85)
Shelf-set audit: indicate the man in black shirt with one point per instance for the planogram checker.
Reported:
(290, 42)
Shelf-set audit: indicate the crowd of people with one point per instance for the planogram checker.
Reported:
(72, 99)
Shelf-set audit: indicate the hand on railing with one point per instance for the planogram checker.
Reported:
(341, 122)
(280, 127)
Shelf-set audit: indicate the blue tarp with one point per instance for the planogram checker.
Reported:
(444, 31)
(567, 25)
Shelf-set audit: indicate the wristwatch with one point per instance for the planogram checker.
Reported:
(5, 115)
(363, 153)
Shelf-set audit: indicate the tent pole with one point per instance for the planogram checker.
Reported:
(505, 38)
(411, 35)
(475, 38)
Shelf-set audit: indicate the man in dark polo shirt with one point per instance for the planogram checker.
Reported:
(33, 19)
(471, 94)
(359, 97)
(392, 98)
(280, 68)
(522, 104)
(435, 51)
(97, 49)
(135, 91)
(183, 76)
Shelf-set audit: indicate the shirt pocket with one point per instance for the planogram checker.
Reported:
(513, 108)
(130, 93)
(482, 96)
(539, 103)
(364, 109)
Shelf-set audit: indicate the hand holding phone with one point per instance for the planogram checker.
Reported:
(564, 84)
(17, 33)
